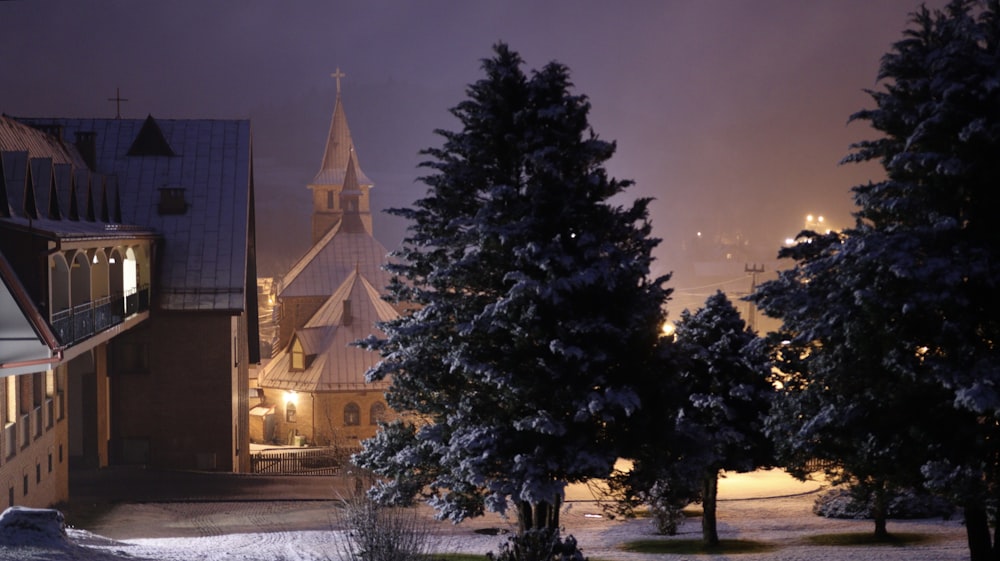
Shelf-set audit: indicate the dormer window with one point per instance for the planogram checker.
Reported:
(172, 201)
(298, 356)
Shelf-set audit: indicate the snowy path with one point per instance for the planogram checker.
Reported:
(307, 531)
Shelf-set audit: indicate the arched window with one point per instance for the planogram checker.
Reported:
(352, 415)
(298, 356)
(290, 412)
(377, 413)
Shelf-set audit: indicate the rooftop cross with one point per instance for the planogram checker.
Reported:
(338, 75)
(118, 99)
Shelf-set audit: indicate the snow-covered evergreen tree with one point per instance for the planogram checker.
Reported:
(841, 402)
(710, 418)
(533, 322)
(725, 375)
(911, 300)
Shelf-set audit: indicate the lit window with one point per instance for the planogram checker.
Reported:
(352, 415)
(290, 412)
(298, 356)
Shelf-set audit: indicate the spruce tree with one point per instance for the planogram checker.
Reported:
(905, 331)
(725, 375)
(532, 320)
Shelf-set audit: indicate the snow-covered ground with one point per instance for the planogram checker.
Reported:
(748, 511)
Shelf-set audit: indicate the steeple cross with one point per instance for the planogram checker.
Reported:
(338, 75)
(118, 99)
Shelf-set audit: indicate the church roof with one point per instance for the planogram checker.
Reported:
(338, 153)
(334, 258)
(206, 224)
(333, 363)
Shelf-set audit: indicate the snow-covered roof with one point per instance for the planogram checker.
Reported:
(332, 259)
(333, 363)
(18, 137)
(203, 262)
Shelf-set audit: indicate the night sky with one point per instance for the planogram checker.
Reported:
(731, 113)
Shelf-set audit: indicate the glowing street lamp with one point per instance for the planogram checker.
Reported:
(668, 329)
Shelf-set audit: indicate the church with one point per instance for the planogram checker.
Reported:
(314, 389)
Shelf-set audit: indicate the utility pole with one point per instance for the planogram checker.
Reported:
(754, 270)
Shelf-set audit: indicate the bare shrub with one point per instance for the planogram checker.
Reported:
(381, 533)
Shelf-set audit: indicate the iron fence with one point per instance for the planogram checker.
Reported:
(303, 461)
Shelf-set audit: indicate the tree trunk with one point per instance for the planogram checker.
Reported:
(880, 511)
(538, 516)
(709, 492)
(977, 528)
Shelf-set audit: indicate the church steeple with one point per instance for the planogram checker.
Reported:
(339, 158)
(353, 218)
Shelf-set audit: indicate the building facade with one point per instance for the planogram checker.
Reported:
(75, 277)
(129, 302)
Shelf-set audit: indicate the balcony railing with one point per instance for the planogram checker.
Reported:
(88, 319)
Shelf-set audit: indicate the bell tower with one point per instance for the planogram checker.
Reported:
(328, 184)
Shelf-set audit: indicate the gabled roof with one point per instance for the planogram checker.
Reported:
(18, 137)
(333, 259)
(339, 150)
(205, 259)
(150, 141)
(333, 363)
(373, 309)
(45, 186)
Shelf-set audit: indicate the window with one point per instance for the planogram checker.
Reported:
(298, 356)
(171, 201)
(377, 413)
(290, 412)
(329, 200)
(352, 415)
(37, 389)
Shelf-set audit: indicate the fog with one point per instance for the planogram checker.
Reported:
(731, 114)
